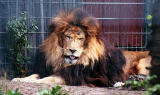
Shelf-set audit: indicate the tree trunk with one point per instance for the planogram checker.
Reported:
(155, 43)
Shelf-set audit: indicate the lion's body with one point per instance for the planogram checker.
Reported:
(137, 62)
(77, 55)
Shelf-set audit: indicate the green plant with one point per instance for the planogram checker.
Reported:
(155, 90)
(149, 20)
(54, 91)
(14, 92)
(144, 85)
(138, 85)
(18, 29)
(11, 92)
(4, 88)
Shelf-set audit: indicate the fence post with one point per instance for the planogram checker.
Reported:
(42, 20)
(155, 43)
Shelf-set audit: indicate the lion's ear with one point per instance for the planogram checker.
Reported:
(51, 28)
(57, 22)
(92, 25)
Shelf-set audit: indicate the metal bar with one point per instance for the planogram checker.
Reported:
(123, 3)
(141, 37)
(100, 3)
(28, 32)
(109, 24)
(118, 46)
(133, 47)
(96, 18)
(29, 47)
(127, 33)
(10, 1)
(119, 26)
(104, 32)
(42, 20)
(120, 18)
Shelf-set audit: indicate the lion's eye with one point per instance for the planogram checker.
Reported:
(80, 38)
(68, 37)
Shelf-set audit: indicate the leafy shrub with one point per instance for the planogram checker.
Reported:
(18, 29)
(11, 92)
(4, 88)
(144, 85)
(149, 20)
(14, 92)
(155, 90)
(54, 91)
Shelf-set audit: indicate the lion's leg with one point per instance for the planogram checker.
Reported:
(30, 78)
(143, 64)
(35, 78)
(52, 79)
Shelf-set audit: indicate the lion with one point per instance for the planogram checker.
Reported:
(137, 62)
(76, 53)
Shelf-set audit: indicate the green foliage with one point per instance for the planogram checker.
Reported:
(11, 92)
(1, 93)
(150, 24)
(149, 17)
(138, 85)
(155, 90)
(54, 91)
(4, 88)
(144, 85)
(14, 92)
(18, 29)
(149, 20)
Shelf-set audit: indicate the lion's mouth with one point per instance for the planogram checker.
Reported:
(71, 57)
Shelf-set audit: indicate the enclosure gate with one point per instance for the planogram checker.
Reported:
(122, 21)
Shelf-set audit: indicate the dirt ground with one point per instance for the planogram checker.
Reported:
(33, 88)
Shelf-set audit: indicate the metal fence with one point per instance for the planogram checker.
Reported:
(122, 21)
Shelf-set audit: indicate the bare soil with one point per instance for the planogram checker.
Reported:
(32, 88)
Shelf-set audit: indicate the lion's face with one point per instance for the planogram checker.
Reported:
(74, 39)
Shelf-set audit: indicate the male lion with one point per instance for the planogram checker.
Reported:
(77, 54)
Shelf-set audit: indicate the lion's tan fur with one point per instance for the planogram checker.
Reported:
(51, 48)
(134, 61)
(93, 51)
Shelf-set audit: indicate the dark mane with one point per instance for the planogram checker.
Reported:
(106, 72)
(75, 17)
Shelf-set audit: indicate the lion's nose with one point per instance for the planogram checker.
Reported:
(72, 50)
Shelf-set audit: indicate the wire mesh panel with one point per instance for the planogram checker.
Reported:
(122, 21)
(8, 9)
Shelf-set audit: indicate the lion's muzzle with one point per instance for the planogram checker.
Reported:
(71, 59)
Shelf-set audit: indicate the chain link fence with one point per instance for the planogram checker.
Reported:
(122, 21)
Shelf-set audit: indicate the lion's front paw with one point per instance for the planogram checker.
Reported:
(118, 84)
(23, 80)
(31, 78)
(17, 80)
